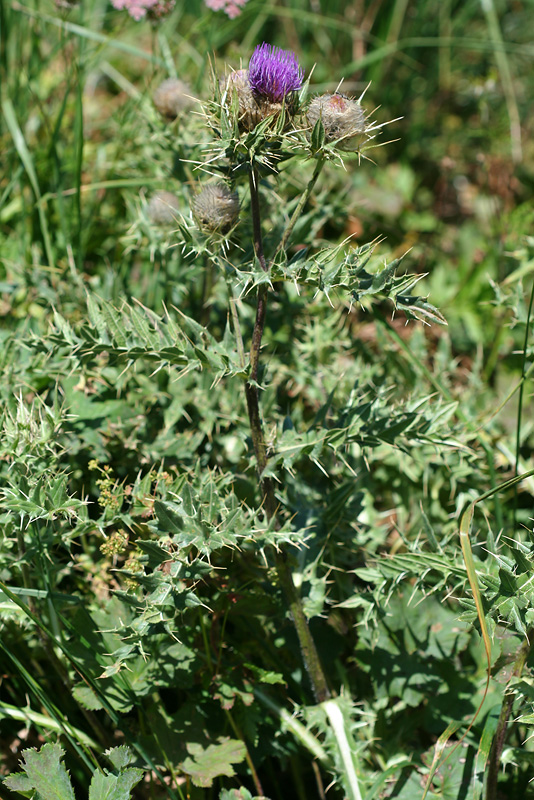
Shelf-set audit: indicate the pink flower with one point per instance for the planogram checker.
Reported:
(231, 7)
(141, 8)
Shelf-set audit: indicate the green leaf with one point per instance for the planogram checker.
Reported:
(19, 782)
(205, 764)
(317, 136)
(45, 774)
(114, 787)
(120, 757)
(237, 794)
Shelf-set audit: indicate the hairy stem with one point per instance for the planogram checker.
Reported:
(502, 725)
(270, 504)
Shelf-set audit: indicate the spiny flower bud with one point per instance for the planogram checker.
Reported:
(172, 97)
(343, 119)
(216, 207)
(163, 208)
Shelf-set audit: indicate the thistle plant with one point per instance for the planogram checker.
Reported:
(259, 120)
(215, 435)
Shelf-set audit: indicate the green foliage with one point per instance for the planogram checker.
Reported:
(141, 603)
(217, 759)
(44, 773)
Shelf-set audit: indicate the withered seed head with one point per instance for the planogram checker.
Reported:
(163, 208)
(172, 97)
(343, 119)
(216, 207)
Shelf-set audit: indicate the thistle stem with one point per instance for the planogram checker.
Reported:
(502, 725)
(270, 504)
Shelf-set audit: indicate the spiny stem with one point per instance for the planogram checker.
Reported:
(270, 504)
(308, 649)
(500, 733)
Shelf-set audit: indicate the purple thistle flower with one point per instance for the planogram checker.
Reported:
(273, 73)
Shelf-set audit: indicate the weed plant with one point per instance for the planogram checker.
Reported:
(261, 537)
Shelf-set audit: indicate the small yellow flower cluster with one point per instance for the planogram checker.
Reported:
(115, 544)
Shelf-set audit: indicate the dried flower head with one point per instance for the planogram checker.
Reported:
(343, 119)
(231, 7)
(163, 208)
(274, 73)
(172, 97)
(216, 207)
(138, 9)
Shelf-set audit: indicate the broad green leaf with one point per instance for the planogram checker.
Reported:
(114, 787)
(19, 782)
(45, 774)
(120, 756)
(206, 764)
(238, 794)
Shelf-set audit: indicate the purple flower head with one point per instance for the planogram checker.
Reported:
(273, 73)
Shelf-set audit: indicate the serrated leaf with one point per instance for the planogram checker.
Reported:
(45, 773)
(19, 782)
(206, 764)
(120, 756)
(86, 697)
(236, 794)
(114, 787)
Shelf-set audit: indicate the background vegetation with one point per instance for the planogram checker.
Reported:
(140, 603)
